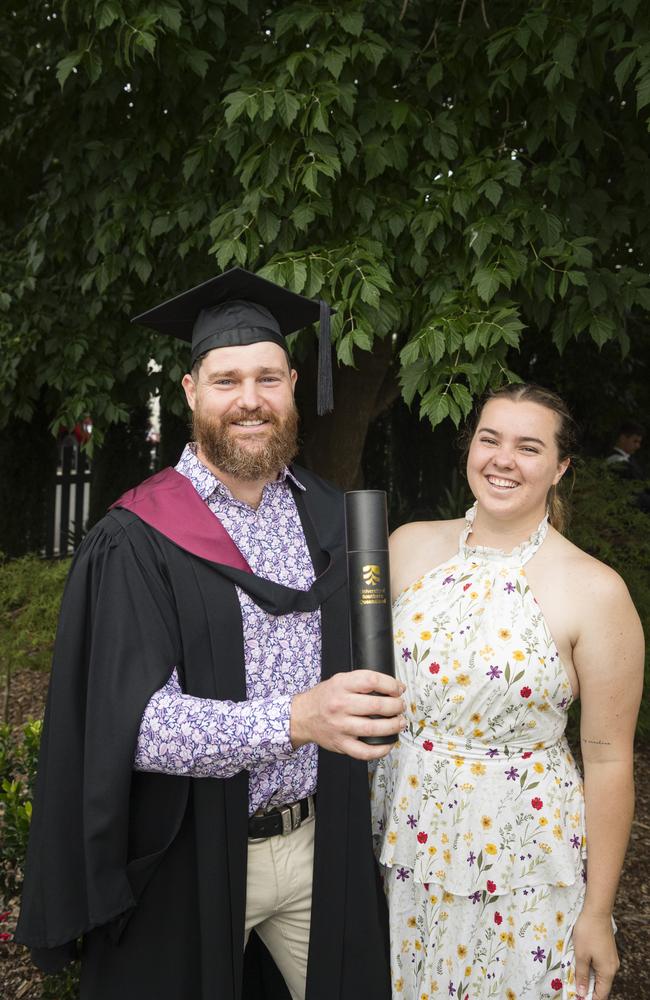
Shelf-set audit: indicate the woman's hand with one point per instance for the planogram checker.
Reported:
(594, 945)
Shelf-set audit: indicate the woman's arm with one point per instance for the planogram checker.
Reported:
(608, 657)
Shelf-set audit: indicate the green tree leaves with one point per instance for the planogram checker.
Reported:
(451, 187)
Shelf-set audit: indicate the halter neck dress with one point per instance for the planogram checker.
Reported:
(478, 811)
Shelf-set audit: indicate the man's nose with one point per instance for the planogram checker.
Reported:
(249, 394)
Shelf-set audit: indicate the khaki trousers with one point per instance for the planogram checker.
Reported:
(278, 900)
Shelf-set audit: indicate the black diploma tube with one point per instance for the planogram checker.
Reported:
(371, 620)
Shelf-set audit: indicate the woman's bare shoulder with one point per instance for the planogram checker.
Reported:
(420, 546)
(584, 573)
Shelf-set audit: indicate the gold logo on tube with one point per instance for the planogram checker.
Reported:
(371, 575)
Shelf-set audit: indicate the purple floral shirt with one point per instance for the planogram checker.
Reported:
(183, 734)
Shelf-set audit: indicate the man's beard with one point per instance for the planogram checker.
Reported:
(264, 461)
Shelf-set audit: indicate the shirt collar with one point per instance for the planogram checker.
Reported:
(206, 483)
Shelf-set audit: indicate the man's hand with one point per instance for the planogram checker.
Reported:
(338, 711)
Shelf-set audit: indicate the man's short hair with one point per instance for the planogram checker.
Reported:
(630, 427)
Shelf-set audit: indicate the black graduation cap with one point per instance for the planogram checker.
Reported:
(239, 307)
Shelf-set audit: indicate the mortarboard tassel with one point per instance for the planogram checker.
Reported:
(325, 398)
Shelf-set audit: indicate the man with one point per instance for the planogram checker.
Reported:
(201, 662)
(628, 442)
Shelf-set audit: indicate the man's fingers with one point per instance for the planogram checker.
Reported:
(364, 751)
(359, 725)
(367, 681)
(368, 704)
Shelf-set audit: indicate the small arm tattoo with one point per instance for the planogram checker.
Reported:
(602, 743)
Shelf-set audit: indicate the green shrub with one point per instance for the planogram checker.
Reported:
(18, 762)
(606, 523)
(30, 595)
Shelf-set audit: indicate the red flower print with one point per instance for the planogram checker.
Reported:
(434, 668)
(423, 837)
(536, 803)
(5, 936)
(427, 745)
(498, 919)
(467, 586)
(491, 886)
(556, 984)
(426, 886)
(525, 756)
(525, 692)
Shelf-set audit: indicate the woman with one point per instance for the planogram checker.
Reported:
(481, 822)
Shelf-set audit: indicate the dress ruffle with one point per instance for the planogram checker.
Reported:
(453, 820)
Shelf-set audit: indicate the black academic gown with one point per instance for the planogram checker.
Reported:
(150, 869)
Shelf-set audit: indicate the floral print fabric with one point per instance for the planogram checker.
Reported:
(478, 811)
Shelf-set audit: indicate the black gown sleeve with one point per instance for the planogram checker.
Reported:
(116, 643)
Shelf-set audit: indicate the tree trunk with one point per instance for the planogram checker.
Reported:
(332, 446)
(28, 456)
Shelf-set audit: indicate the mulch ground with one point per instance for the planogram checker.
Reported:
(20, 981)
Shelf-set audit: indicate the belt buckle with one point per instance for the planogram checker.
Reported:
(291, 818)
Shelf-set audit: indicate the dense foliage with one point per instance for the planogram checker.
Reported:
(453, 176)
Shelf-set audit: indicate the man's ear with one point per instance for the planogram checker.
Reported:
(189, 385)
(293, 375)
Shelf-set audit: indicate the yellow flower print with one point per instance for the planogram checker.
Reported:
(546, 848)
(478, 732)
(464, 680)
(491, 849)
(540, 745)
(518, 655)
(444, 680)
(475, 717)
(486, 652)
(440, 873)
(478, 768)
(468, 970)
(434, 986)
(467, 786)
(538, 767)
(503, 936)
(399, 635)
(432, 850)
(459, 731)
(391, 837)
(461, 951)
(543, 706)
(446, 856)
(504, 633)
(486, 822)
(557, 831)
(411, 922)
(459, 761)
(556, 814)
(413, 707)
(540, 928)
(433, 900)
(399, 985)
(455, 664)
(468, 837)
(543, 821)
(473, 595)
(511, 995)
(559, 944)
(417, 585)
(413, 781)
(424, 996)
(426, 635)
(406, 946)
(532, 724)
(444, 838)
(511, 921)
(559, 918)
(403, 803)
(418, 945)
(511, 940)
(417, 617)
(458, 699)
(447, 897)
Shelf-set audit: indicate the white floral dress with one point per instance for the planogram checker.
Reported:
(478, 811)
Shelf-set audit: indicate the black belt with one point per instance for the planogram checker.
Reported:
(280, 819)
